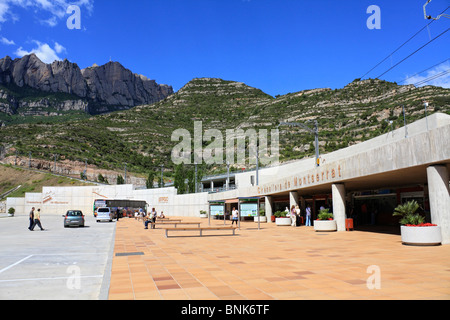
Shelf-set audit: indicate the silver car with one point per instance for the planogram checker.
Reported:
(73, 218)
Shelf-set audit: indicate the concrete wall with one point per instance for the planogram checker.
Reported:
(57, 200)
(418, 148)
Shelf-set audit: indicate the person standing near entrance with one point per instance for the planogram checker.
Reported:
(31, 219)
(299, 217)
(234, 216)
(308, 216)
(37, 220)
(293, 216)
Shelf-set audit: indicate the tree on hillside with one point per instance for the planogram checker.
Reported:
(150, 179)
(179, 179)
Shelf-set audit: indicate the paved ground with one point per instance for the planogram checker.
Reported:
(274, 263)
(55, 264)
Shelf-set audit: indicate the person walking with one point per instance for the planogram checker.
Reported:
(37, 220)
(31, 218)
(234, 216)
(308, 216)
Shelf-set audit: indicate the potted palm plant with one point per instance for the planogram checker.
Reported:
(325, 221)
(414, 229)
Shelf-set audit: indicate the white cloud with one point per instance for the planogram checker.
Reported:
(56, 8)
(6, 41)
(59, 48)
(438, 76)
(43, 51)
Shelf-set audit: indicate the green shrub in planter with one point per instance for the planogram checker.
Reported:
(11, 211)
(325, 214)
(280, 214)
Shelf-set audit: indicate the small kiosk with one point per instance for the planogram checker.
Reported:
(248, 207)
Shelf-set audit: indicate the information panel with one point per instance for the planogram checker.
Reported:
(249, 209)
(216, 210)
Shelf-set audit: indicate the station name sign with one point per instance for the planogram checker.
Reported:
(320, 175)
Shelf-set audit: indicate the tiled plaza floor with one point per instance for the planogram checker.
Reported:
(275, 263)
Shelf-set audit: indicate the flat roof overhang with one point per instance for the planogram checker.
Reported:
(391, 179)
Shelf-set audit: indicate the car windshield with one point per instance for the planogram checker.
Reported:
(74, 213)
(103, 210)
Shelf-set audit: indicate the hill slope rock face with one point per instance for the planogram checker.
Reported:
(105, 88)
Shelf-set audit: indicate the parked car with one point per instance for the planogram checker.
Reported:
(104, 214)
(73, 218)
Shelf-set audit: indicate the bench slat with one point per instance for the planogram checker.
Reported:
(201, 229)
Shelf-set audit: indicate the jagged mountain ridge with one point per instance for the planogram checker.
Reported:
(96, 89)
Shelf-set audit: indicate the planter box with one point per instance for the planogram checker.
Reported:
(204, 215)
(283, 221)
(325, 225)
(421, 236)
(261, 219)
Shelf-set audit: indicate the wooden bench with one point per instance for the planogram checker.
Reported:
(201, 229)
(166, 220)
(177, 223)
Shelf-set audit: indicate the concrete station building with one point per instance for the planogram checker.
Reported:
(366, 181)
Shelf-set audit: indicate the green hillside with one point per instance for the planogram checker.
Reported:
(141, 137)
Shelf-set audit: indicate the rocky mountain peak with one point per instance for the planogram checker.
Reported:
(110, 86)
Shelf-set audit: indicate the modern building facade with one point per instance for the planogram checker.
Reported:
(365, 181)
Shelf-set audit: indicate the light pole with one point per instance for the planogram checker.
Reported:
(228, 175)
(162, 179)
(257, 164)
(404, 121)
(125, 172)
(55, 156)
(195, 177)
(314, 130)
(425, 104)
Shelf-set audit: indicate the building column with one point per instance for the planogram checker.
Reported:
(302, 205)
(338, 191)
(438, 191)
(268, 208)
(293, 199)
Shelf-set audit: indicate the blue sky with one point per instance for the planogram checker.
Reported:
(277, 46)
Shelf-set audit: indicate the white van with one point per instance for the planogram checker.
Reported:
(104, 214)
